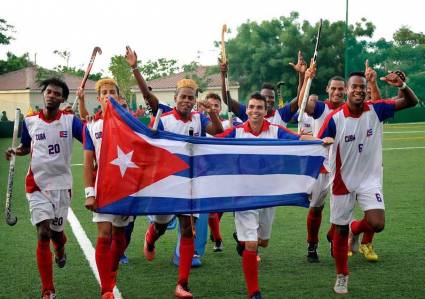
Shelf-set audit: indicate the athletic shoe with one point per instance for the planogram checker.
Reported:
(108, 295)
(330, 245)
(258, 259)
(368, 252)
(350, 253)
(124, 260)
(218, 247)
(148, 250)
(312, 256)
(257, 295)
(353, 241)
(182, 292)
(60, 257)
(341, 284)
(49, 295)
(196, 260)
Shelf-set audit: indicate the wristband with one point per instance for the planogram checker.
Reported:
(403, 86)
(133, 68)
(89, 192)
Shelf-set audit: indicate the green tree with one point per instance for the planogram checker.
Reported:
(200, 75)
(5, 30)
(14, 63)
(123, 76)
(159, 68)
(261, 52)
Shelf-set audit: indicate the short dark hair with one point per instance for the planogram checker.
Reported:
(258, 96)
(268, 86)
(358, 74)
(212, 95)
(336, 78)
(56, 82)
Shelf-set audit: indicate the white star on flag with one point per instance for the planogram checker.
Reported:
(124, 161)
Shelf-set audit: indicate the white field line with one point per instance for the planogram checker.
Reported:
(87, 247)
(403, 148)
(78, 164)
(404, 132)
(409, 124)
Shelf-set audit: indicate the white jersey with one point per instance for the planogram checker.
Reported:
(308, 123)
(321, 111)
(278, 117)
(173, 122)
(356, 155)
(51, 148)
(93, 135)
(268, 130)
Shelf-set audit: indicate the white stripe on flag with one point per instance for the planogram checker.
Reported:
(225, 185)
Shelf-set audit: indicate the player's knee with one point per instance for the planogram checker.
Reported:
(342, 230)
(160, 229)
(263, 243)
(186, 231)
(251, 245)
(377, 226)
(317, 211)
(43, 233)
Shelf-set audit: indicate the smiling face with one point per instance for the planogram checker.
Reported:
(185, 100)
(105, 91)
(356, 90)
(270, 98)
(256, 111)
(215, 105)
(336, 91)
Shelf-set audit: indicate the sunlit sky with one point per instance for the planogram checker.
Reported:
(182, 30)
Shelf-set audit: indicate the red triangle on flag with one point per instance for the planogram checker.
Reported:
(127, 162)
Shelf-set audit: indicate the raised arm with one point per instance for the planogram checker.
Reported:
(82, 103)
(408, 97)
(214, 126)
(370, 74)
(309, 73)
(226, 95)
(148, 96)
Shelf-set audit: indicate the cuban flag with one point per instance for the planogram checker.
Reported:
(144, 172)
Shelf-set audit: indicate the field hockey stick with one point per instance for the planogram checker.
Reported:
(86, 75)
(10, 219)
(308, 85)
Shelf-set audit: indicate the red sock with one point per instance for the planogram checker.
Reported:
(151, 235)
(118, 246)
(59, 243)
(103, 262)
(360, 226)
(367, 237)
(44, 263)
(187, 249)
(250, 270)
(214, 223)
(340, 252)
(314, 220)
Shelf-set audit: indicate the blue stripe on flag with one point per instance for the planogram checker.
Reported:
(164, 205)
(246, 164)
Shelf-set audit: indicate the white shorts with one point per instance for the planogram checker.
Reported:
(252, 225)
(164, 219)
(116, 220)
(50, 205)
(342, 206)
(320, 190)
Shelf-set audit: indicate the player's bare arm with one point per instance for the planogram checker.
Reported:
(234, 104)
(90, 202)
(370, 74)
(19, 151)
(150, 98)
(215, 126)
(408, 99)
(309, 73)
